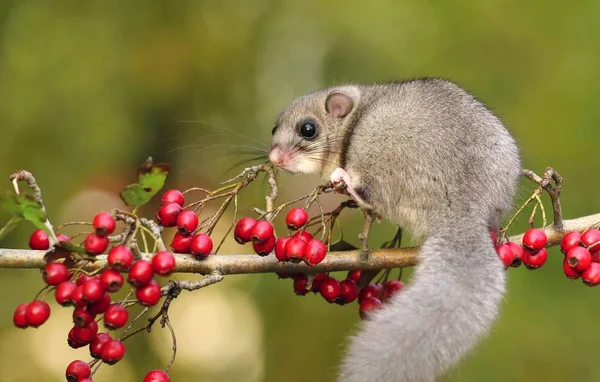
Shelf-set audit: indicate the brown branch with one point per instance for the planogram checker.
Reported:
(553, 191)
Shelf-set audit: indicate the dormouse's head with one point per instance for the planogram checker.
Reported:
(308, 134)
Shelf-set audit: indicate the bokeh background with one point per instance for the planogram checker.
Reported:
(89, 89)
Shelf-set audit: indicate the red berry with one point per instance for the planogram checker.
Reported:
(120, 258)
(187, 222)
(163, 263)
(97, 343)
(77, 296)
(579, 258)
(315, 252)
(95, 244)
(201, 246)
(306, 236)
(81, 280)
(20, 316)
(37, 313)
(242, 232)
(172, 196)
(296, 218)
(262, 231)
(110, 280)
(391, 287)
(348, 291)
(82, 316)
(149, 295)
(570, 272)
(104, 224)
(167, 214)
(370, 291)
(156, 376)
(300, 284)
(506, 254)
(55, 273)
(570, 240)
(101, 305)
(295, 249)
(535, 260)
(64, 293)
(280, 253)
(39, 240)
(494, 237)
(92, 291)
(367, 305)
(354, 275)
(62, 237)
(181, 243)
(263, 249)
(330, 289)
(591, 276)
(116, 316)
(140, 274)
(518, 252)
(78, 370)
(74, 342)
(112, 352)
(317, 280)
(85, 334)
(591, 239)
(534, 239)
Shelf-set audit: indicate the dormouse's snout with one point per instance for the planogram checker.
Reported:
(276, 156)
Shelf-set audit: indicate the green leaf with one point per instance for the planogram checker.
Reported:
(9, 226)
(151, 179)
(342, 245)
(24, 206)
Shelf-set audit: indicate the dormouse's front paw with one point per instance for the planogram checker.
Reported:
(340, 175)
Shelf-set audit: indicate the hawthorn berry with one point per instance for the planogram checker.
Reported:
(579, 258)
(368, 305)
(330, 289)
(120, 258)
(64, 293)
(156, 376)
(305, 236)
(78, 370)
(494, 236)
(591, 276)
(187, 222)
(104, 224)
(116, 316)
(280, 253)
(262, 231)
(295, 249)
(506, 254)
(354, 275)
(149, 295)
(83, 278)
(181, 243)
(534, 239)
(95, 244)
(371, 290)
(535, 260)
(37, 313)
(77, 296)
(300, 284)
(97, 343)
(55, 273)
(315, 252)
(172, 196)
(296, 218)
(74, 342)
(39, 240)
(111, 281)
(569, 241)
(518, 252)
(140, 274)
(316, 283)
(85, 334)
(20, 316)
(92, 291)
(62, 237)
(82, 316)
(167, 214)
(201, 246)
(348, 291)
(391, 287)
(101, 305)
(263, 249)
(570, 272)
(112, 352)
(242, 232)
(163, 263)
(591, 239)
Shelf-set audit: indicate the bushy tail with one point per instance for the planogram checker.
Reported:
(425, 329)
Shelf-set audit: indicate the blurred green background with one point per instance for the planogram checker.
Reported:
(89, 89)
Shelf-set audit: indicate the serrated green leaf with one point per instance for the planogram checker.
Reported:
(151, 179)
(24, 206)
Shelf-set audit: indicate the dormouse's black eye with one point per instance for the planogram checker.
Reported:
(308, 130)
(274, 130)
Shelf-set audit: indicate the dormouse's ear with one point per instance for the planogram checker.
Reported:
(339, 104)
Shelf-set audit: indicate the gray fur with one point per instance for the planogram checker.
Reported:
(434, 160)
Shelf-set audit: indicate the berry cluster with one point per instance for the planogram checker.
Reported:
(532, 253)
(582, 256)
(90, 295)
(186, 240)
(346, 291)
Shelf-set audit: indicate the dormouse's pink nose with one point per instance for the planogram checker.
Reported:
(276, 156)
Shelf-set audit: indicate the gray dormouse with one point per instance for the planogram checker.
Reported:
(432, 159)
